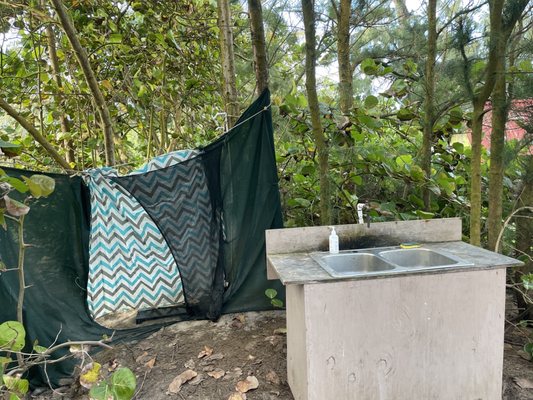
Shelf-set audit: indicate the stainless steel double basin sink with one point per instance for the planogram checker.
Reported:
(385, 260)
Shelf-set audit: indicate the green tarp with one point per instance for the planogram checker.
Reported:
(241, 171)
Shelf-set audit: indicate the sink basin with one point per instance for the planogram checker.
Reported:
(417, 258)
(385, 261)
(353, 263)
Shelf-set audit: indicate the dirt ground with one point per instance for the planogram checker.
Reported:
(244, 350)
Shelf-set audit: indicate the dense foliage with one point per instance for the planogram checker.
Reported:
(157, 64)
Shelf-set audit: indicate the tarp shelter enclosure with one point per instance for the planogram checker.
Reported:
(243, 190)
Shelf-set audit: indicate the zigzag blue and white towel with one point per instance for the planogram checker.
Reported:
(130, 263)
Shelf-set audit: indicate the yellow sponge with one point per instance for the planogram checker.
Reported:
(410, 245)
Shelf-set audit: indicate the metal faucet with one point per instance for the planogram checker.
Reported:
(360, 215)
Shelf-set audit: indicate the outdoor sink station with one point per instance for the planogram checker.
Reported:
(379, 321)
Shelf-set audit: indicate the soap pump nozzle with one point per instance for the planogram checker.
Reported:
(333, 241)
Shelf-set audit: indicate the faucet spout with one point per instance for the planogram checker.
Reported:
(361, 207)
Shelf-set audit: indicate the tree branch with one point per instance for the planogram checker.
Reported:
(34, 132)
(68, 26)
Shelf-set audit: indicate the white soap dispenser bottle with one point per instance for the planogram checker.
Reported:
(333, 241)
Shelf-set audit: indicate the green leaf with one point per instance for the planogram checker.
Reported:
(434, 189)
(527, 281)
(416, 200)
(8, 145)
(357, 136)
(528, 348)
(302, 202)
(143, 91)
(16, 385)
(102, 391)
(356, 179)
(405, 159)
(405, 114)
(308, 169)
(39, 349)
(369, 121)
(17, 184)
(45, 184)
(12, 336)
(371, 101)
(35, 190)
(446, 183)
(277, 303)
(5, 360)
(425, 214)
(417, 173)
(2, 220)
(271, 293)
(115, 38)
(388, 206)
(368, 66)
(459, 180)
(123, 384)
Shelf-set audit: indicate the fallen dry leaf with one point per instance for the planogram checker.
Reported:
(216, 356)
(274, 340)
(206, 352)
(235, 373)
(197, 380)
(272, 377)
(190, 364)
(217, 373)
(248, 384)
(237, 396)
(238, 321)
(280, 331)
(145, 346)
(250, 357)
(524, 383)
(150, 363)
(178, 381)
(140, 358)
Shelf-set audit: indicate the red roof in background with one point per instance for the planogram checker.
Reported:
(520, 112)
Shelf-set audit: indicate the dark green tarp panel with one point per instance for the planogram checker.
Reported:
(241, 172)
(55, 271)
(247, 193)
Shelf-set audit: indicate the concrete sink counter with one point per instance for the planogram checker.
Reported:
(433, 333)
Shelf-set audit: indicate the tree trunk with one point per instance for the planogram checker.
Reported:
(35, 133)
(501, 25)
(56, 72)
(475, 172)
(429, 100)
(497, 144)
(343, 50)
(229, 89)
(68, 26)
(524, 231)
(401, 11)
(258, 44)
(312, 99)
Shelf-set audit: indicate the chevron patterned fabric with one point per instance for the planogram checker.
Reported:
(130, 264)
(178, 200)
